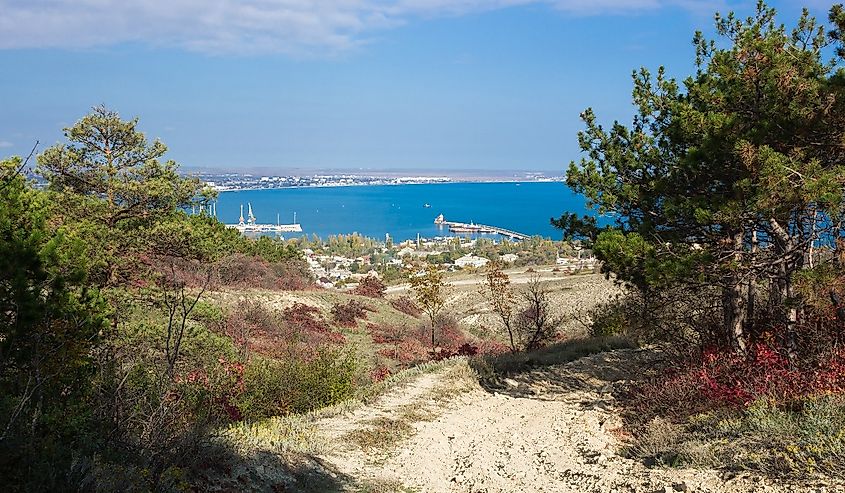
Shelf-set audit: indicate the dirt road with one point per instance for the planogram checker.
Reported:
(548, 430)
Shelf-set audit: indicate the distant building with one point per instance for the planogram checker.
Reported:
(510, 258)
(471, 261)
(405, 251)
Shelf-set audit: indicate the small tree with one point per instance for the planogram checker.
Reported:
(535, 324)
(111, 184)
(430, 291)
(108, 158)
(497, 288)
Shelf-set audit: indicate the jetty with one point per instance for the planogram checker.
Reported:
(459, 227)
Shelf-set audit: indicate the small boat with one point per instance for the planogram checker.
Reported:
(427, 205)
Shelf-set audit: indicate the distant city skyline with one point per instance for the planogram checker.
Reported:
(345, 85)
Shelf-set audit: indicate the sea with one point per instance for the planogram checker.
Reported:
(401, 210)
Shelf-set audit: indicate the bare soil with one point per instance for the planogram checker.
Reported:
(554, 429)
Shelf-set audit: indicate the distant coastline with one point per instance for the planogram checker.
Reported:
(382, 184)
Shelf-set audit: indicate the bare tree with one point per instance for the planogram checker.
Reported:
(178, 305)
(535, 324)
(497, 288)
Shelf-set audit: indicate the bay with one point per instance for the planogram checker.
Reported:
(399, 209)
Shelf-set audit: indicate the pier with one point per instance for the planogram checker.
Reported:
(458, 227)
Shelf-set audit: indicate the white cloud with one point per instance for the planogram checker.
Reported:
(252, 26)
(5, 143)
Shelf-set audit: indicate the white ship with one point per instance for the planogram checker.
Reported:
(251, 226)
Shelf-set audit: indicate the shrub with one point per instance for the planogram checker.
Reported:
(609, 318)
(306, 317)
(371, 286)
(347, 314)
(277, 388)
(243, 271)
(386, 334)
(534, 325)
(208, 314)
(379, 374)
(727, 379)
(296, 330)
(406, 305)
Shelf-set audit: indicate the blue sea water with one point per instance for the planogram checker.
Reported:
(399, 209)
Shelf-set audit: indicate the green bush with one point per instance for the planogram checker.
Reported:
(207, 314)
(610, 318)
(276, 388)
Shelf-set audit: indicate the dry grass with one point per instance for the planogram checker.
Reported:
(383, 486)
(381, 434)
(299, 433)
(798, 441)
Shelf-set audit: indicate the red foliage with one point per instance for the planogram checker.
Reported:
(347, 314)
(371, 286)
(466, 349)
(492, 348)
(406, 352)
(406, 305)
(733, 379)
(379, 374)
(306, 317)
(298, 329)
(725, 378)
(242, 271)
(386, 334)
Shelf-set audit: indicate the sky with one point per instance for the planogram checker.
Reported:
(360, 85)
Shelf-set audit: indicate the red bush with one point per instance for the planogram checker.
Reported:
(379, 374)
(371, 286)
(492, 348)
(347, 314)
(306, 317)
(386, 334)
(298, 329)
(242, 271)
(727, 379)
(406, 305)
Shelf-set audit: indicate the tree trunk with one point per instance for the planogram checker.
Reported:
(733, 299)
(750, 306)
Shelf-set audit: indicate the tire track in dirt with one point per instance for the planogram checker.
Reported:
(547, 430)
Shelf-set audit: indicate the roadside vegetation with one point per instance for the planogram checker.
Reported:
(114, 369)
(727, 190)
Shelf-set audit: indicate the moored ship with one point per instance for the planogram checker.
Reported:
(250, 225)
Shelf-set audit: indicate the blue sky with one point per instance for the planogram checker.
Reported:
(354, 84)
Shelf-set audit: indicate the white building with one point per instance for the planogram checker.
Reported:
(510, 258)
(471, 261)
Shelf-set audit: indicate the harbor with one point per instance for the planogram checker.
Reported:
(251, 225)
(400, 210)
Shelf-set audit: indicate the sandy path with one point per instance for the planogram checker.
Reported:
(549, 430)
